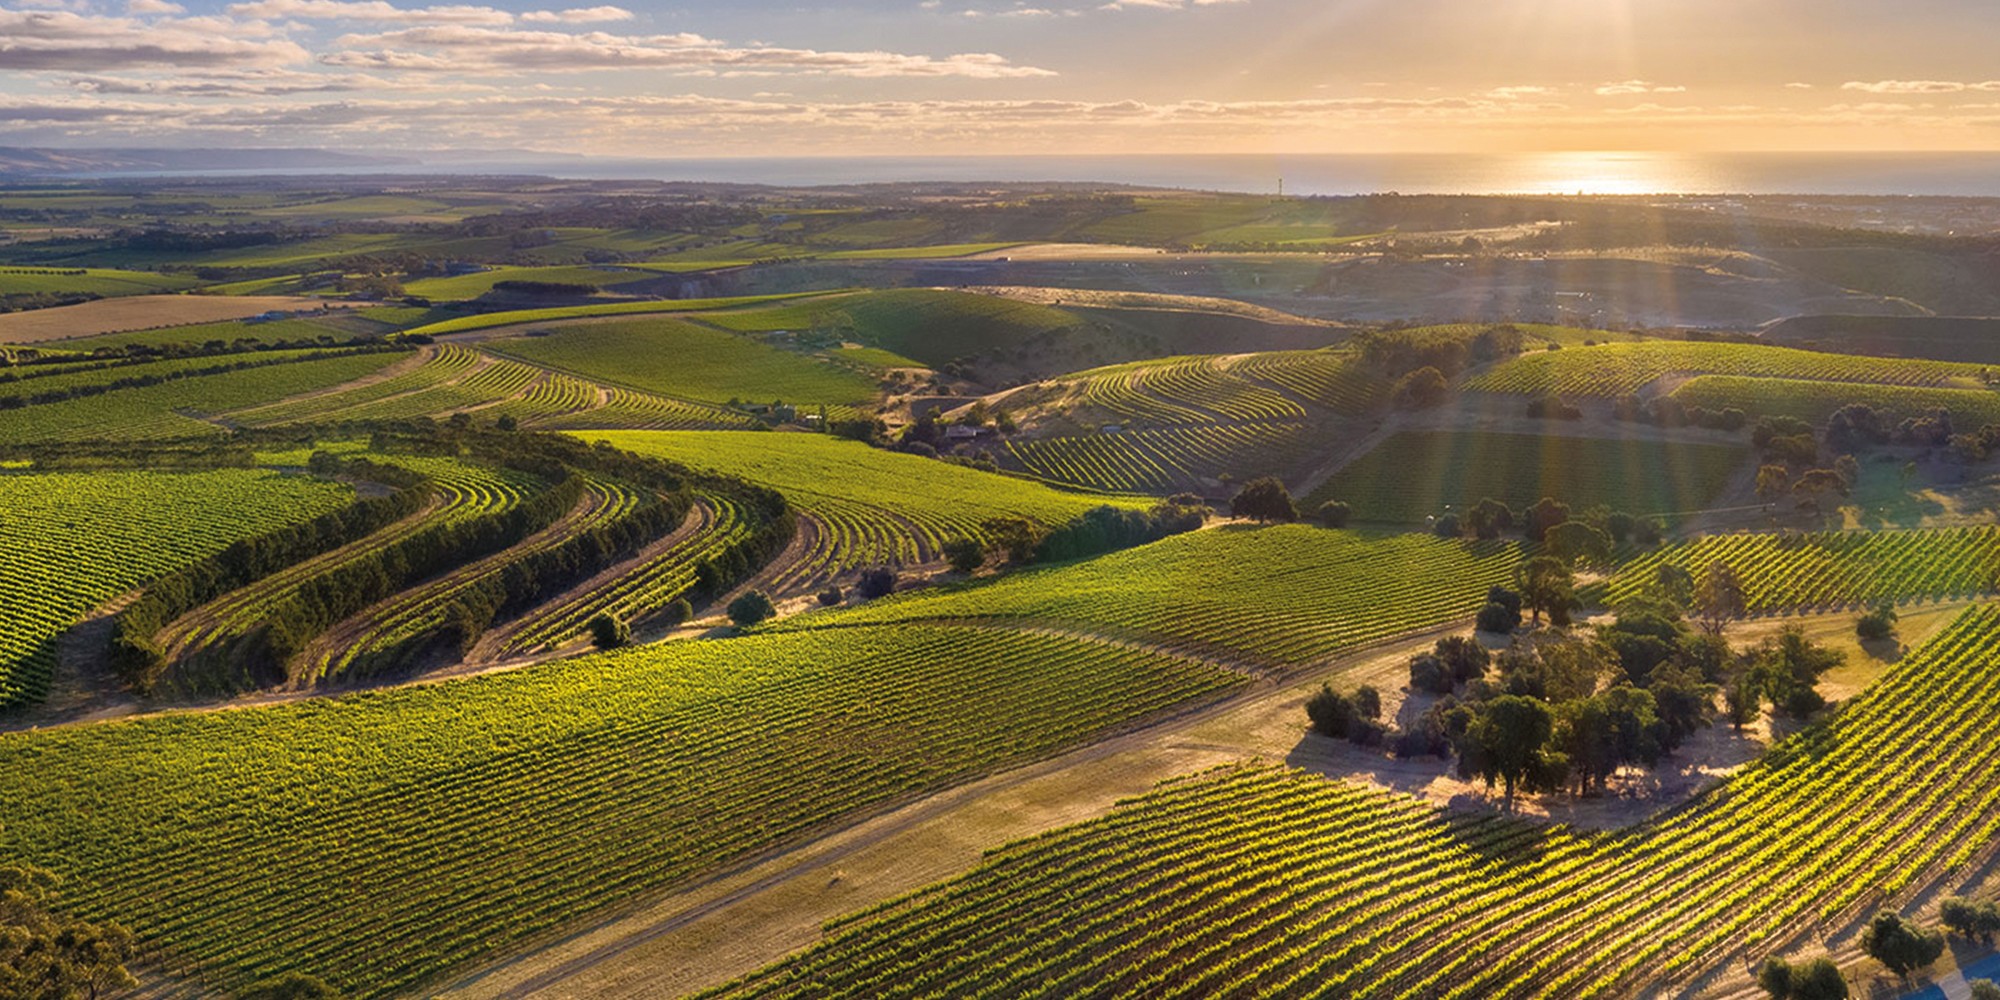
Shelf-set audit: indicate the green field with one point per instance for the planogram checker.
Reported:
(1263, 882)
(1617, 369)
(1421, 474)
(106, 282)
(1837, 568)
(1193, 457)
(640, 769)
(1284, 595)
(677, 358)
(485, 321)
(1814, 401)
(931, 326)
(161, 411)
(471, 286)
(77, 540)
(870, 506)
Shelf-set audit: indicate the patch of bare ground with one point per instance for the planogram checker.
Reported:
(147, 312)
(1158, 301)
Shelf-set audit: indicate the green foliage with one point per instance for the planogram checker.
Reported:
(1264, 500)
(1608, 370)
(678, 358)
(751, 608)
(1879, 623)
(1334, 514)
(1902, 947)
(1974, 919)
(290, 986)
(159, 411)
(1821, 569)
(1416, 474)
(964, 554)
(608, 632)
(663, 762)
(45, 955)
(1815, 401)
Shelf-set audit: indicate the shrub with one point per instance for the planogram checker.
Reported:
(607, 632)
(1899, 945)
(1447, 526)
(1495, 617)
(831, 596)
(1331, 712)
(1334, 514)
(964, 554)
(1977, 920)
(1265, 500)
(751, 608)
(1428, 673)
(877, 582)
(679, 613)
(1877, 624)
(1983, 989)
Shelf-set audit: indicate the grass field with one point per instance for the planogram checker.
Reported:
(107, 282)
(485, 321)
(1262, 882)
(874, 507)
(1837, 568)
(677, 358)
(471, 286)
(1419, 474)
(76, 540)
(138, 312)
(1284, 595)
(642, 769)
(1616, 369)
(931, 326)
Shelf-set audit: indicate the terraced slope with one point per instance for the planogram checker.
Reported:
(77, 540)
(1616, 369)
(1837, 568)
(1264, 883)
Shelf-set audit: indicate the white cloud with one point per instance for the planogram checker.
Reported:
(1918, 86)
(1636, 87)
(59, 40)
(1798, 86)
(370, 10)
(578, 15)
(153, 7)
(1516, 93)
(468, 49)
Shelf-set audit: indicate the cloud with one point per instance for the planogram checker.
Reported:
(467, 49)
(369, 10)
(578, 15)
(1165, 4)
(1798, 86)
(153, 7)
(1515, 93)
(1636, 87)
(260, 83)
(59, 40)
(1918, 86)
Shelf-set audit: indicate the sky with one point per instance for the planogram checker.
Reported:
(995, 77)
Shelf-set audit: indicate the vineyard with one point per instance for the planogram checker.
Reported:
(1259, 882)
(469, 814)
(1836, 568)
(1813, 401)
(677, 358)
(78, 540)
(870, 507)
(1189, 457)
(1281, 596)
(1618, 369)
(1416, 475)
(1331, 379)
(159, 411)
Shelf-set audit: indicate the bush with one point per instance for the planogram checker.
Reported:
(1265, 500)
(1464, 659)
(1421, 389)
(1428, 673)
(877, 582)
(679, 613)
(1447, 526)
(1368, 702)
(607, 632)
(1331, 712)
(1977, 920)
(1877, 624)
(1334, 514)
(1899, 945)
(1983, 989)
(751, 608)
(831, 596)
(1497, 619)
(290, 986)
(964, 554)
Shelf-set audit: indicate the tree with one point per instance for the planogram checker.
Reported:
(1983, 989)
(1489, 519)
(1877, 624)
(1818, 979)
(1016, 536)
(1977, 920)
(1506, 741)
(964, 554)
(1264, 500)
(1331, 712)
(751, 608)
(1743, 698)
(1577, 543)
(1462, 658)
(1775, 977)
(1421, 389)
(877, 582)
(1772, 481)
(43, 955)
(1447, 527)
(1672, 583)
(1545, 514)
(1334, 514)
(1502, 611)
(1900, 946)
(1547, 585)
(1719, 598)
(607, 632)
(290, 986)
(831, 596)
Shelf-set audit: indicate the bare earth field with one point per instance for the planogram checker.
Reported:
(146, 312)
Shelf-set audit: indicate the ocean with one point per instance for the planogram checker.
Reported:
(1970, 174)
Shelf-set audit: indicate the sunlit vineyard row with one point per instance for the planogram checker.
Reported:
(1814, 401)
(1616, 369)
(1165, 459)
(1182, 390)
(1330, 378)
(1268, 883)
(379, 839)
(163, 410)
(78, 540)
(1783, 572)
(1281, 596)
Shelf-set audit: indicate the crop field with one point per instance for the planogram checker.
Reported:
(106, 282)
(229, 332)
(644, 768)
(1263, 882)
(1182, 390)
(1167, 459)
(873, 507)
(438, 367)
(160, 411)
(1420, 474)
(1283, 596)
(78, 540)
(1837, 568)
(929, 325)
(1329, 378)
(677, 358)
(516, 317)
(1617, 369)
(471, 286)
(138, 312)
(1814, 401)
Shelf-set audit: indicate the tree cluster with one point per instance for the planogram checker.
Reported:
(45, 956)
(1108, 529)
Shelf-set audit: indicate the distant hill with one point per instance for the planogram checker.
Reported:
(38, 161)
(1974, 339)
